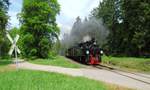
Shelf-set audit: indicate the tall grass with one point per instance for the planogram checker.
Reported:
(130, 63)
(37, 80)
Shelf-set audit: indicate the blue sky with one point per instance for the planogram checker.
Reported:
(70, 9)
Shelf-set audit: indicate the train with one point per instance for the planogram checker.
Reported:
(87, 52)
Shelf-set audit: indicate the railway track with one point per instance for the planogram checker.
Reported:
(122, 73)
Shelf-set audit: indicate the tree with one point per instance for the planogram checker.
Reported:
(14, 31)
(76, 25)
(110, 12)
(4, 4)
(136, 20)
(129, 26)
(39, 29)
(75, 31)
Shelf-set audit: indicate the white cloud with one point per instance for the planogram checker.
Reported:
(74, 8)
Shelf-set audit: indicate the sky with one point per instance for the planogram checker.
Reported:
(70, 9)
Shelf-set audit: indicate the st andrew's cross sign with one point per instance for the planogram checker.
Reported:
(14, 46)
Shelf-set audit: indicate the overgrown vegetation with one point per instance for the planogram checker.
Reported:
(39, 30)
(33, 80)
(128, 63)
(57, 61)
(129, 26)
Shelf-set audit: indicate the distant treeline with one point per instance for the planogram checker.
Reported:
(129, 26)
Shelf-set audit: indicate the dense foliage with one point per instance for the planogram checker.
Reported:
(129, 26)
(39, 29)
(4, 4)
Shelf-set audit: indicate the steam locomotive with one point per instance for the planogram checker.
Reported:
(86, 52)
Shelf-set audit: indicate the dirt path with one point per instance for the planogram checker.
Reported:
(118, 77)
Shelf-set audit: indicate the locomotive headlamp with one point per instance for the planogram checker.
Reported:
(87, 52)
(101, 52)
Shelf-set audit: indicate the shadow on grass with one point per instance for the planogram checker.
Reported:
(5, 62)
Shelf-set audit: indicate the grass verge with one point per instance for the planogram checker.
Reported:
(38, 80)
(129, 63)
(57, 61)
